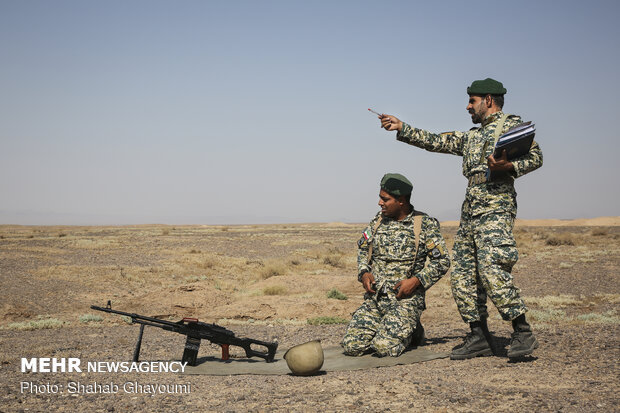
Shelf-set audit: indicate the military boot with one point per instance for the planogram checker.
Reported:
(522, 341)
(487, 333)
(417, 337)
(475, 344)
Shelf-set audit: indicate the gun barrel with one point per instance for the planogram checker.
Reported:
(135, 317)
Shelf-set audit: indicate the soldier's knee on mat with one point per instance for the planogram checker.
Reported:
(391, 352)
(354, 347)
(383, 350)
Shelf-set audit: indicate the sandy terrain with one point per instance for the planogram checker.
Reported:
(270, 282)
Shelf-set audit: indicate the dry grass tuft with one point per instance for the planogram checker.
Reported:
(90, 318)
(195, 278)
(555, 301)
(41, 324)
(334, 261)
(316, 321)
(548, 316)
(561, 239)
(207, 263)
(608, 317)
(274, 290)
(608, 298)
(538, 235)
(599, 232)
(273, 268)
(331, 257)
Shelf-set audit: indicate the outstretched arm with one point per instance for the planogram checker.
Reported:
(449, 142)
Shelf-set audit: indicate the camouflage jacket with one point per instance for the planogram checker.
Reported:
(393, 250)
(475, 146)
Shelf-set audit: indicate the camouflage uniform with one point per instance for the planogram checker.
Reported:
(484, 249)
(383, 323)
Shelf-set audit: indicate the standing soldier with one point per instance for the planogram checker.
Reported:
(484, 249)
(393, 269)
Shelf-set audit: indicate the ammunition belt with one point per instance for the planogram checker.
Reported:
(475, 179)
(481, 177)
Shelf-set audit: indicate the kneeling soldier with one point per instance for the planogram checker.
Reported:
(391, 261)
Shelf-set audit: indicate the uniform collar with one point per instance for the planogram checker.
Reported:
(408, 217)
(491, 118)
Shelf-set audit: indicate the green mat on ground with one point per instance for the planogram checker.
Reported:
(335, 360)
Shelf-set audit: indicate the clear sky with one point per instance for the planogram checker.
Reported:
(227, 112)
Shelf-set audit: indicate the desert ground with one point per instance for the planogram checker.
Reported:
(295, 283)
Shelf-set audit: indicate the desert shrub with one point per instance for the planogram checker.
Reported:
(272, 270)
(90, 318)
(609, 317)
(37, 324)
(560, 239)
(608, 298)
(274, 290)
(336, 295)
(555, 301)
(316, 321)
(334, 261)
(328, 256)
(599, 232)
(550, 315)
(207, 263)
(540, 236)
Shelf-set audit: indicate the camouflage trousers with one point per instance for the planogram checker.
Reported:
(484, 254)
(383, 324)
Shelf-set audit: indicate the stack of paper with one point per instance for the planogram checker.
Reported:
(516, 141)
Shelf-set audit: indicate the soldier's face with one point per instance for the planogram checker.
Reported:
(390, 206)
(477, 108)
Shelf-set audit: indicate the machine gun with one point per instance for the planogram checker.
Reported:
(196, 331)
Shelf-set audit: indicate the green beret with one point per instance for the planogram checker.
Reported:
(396, 184)
(487, 86)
